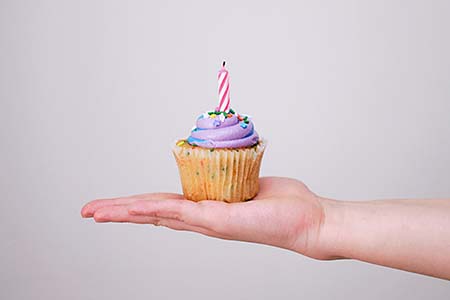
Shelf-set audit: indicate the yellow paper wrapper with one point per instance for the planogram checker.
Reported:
(230, 175)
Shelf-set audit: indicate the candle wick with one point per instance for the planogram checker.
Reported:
(223, 64)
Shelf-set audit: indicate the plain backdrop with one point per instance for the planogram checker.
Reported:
(353, 97)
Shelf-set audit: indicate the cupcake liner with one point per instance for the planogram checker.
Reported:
(230, 175)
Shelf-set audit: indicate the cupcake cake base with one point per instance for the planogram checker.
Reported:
(224, 174)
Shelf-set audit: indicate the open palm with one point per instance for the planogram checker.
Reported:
(285, 213)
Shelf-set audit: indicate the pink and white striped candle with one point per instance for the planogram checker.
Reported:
(224, 89)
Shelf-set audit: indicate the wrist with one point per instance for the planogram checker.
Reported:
(331, 236)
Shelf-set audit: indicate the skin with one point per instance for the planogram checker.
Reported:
(411, 235)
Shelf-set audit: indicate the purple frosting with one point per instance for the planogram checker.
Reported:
(220, 132)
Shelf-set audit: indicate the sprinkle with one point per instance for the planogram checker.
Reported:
(210, 112)
(240, 118)
(246, 121)
(231, 111)
(229, 115)
(212, 116)
(180, 143)
(216, 123)
(245, 118)
(243, 125)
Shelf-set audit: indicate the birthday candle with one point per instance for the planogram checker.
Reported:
(224, 89)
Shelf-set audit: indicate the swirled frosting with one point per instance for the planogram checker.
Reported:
(223, 130)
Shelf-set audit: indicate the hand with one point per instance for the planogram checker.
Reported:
(411, 235)
(285, 213)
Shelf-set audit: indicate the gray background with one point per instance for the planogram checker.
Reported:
(353, 96)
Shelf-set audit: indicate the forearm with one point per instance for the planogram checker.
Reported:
(412, 235)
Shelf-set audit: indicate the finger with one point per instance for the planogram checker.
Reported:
(90, 208)
(211, 215)
(120, 214)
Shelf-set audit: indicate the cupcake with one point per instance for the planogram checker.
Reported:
(221, 158)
